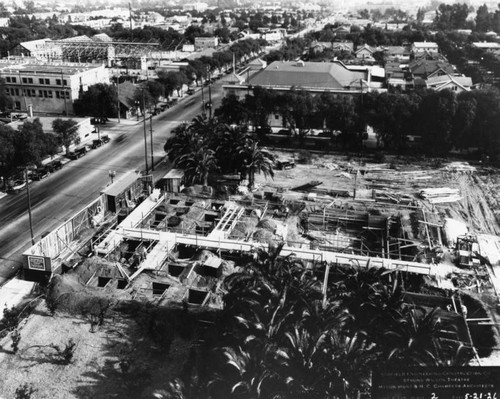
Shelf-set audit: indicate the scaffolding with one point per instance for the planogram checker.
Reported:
(89, 50)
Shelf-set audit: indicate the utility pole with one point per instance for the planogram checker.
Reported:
(145, 136)
(210, 101)
(64, 93)
(29, 205)
(151, 137)
(118, 94)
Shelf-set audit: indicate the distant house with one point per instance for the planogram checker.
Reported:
(343, 46)
(397, 53)
(425, 69)
(449, 82)
(420, 48)
(257, 64)
(365, 53)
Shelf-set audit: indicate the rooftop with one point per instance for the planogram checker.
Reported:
(121, 184)
(52, 68)
(325, 75)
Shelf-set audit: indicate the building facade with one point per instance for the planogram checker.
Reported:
(49, 88)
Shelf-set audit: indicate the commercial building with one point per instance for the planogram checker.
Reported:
(49, 88)
(314, 77)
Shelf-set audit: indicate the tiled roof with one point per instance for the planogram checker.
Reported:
(328, 75)
(427, 67)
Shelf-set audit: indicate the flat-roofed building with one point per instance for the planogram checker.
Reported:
(49, 88)
(203, 43)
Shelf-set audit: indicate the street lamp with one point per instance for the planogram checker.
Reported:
(111, 175)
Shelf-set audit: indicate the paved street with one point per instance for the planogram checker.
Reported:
(60, 195)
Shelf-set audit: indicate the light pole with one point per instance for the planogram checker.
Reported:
(29, 205)
(151, 138)
(145, 136)
(137, 109)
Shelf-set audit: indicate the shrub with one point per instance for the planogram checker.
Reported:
(65, 355)
(24, 391)
(16, 338)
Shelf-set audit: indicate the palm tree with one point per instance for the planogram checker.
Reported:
(255, 160)
(198, 164)
(183, 141)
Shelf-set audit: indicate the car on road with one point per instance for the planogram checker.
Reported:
(77, 153)
(99, 142)
(17, 185)
(40, 173)
(190, 91)
(54, 165)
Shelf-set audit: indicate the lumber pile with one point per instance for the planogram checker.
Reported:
(440, 195)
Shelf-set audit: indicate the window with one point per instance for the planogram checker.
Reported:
(7, 79)
(40, 81)
(58, 82)
(65, 82)
(14, 80)
(50, 93)
(25, 80)
(17, 105)
(7, 91)
(47, 81)
(58, 94)
(17, 92)
(40, 93)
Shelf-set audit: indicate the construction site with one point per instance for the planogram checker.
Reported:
(176, 245)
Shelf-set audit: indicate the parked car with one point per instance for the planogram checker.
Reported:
(41, 173)
(54, 165)
(17, 185)
(77, 153)
(285, 132)
(190, 91)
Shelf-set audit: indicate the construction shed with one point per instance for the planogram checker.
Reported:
(172, 182)
(123, 192)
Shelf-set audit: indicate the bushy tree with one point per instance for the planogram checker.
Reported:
(99, 101)
(66, 131)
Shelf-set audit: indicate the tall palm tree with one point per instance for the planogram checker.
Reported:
(198, 164)
(182, 142)
(255, 160)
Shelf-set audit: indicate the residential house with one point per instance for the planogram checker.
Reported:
(396, 53)
(421, 48)
(365, 53)
(457, 83)
(424, 68)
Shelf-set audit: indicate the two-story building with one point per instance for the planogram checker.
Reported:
(49, 88)
(203, 43)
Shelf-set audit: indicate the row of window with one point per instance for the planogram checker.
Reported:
(42, 81)
(41, 93)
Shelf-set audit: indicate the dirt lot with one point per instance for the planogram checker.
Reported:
(119, 360)
(95, 371)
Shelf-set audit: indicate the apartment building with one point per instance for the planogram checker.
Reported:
(49, 88)
(203, 43)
